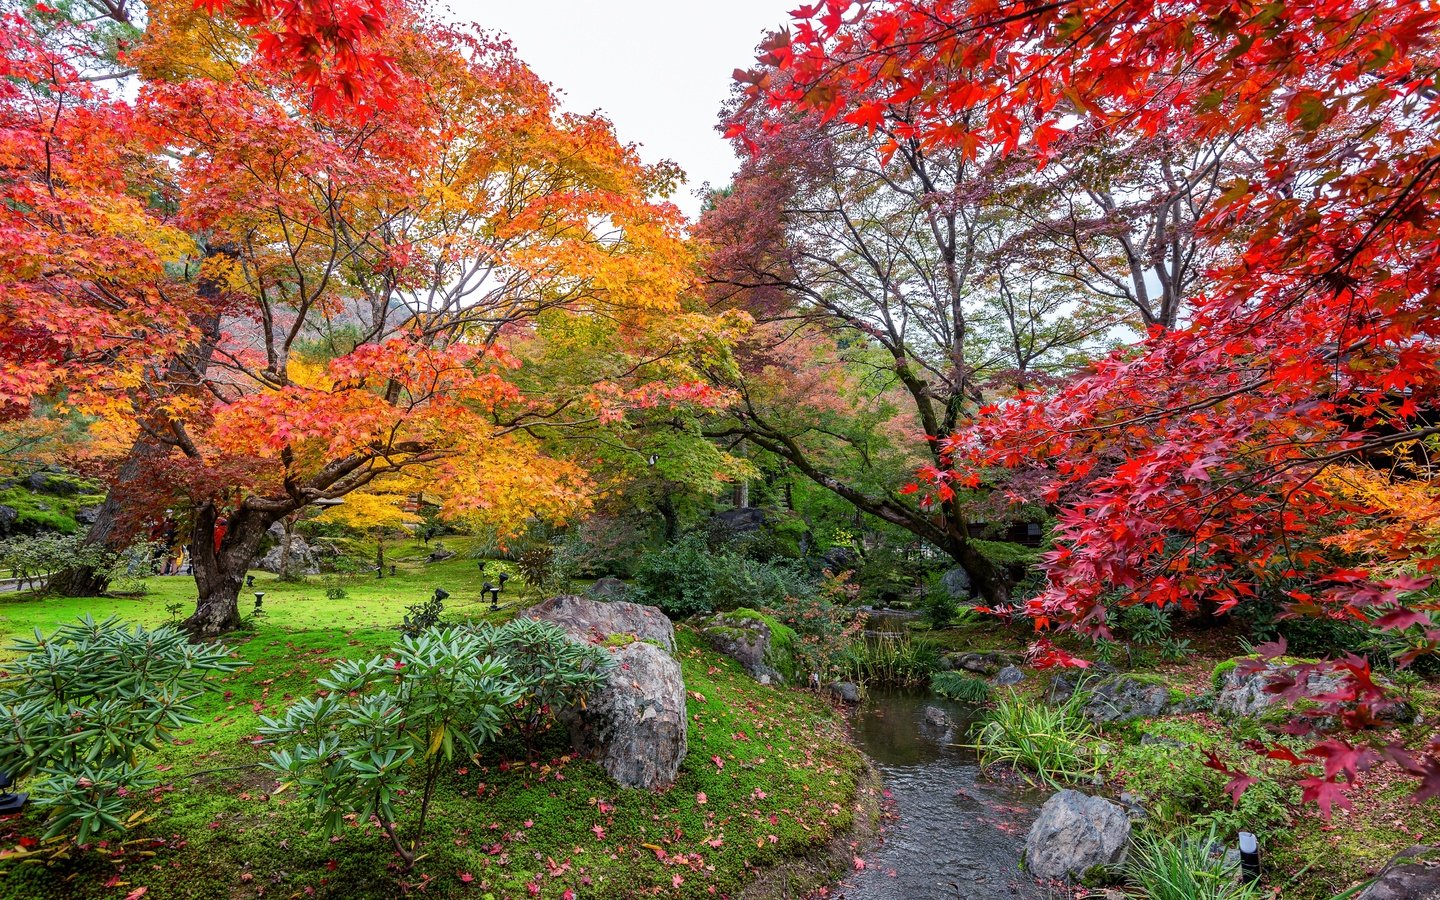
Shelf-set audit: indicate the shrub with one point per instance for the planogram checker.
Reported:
(824, 627)
(31, 557)
(550, 671)
(686, 578)
(1053, 742)
(536, 565)
(80, 705)
(423, 616)
(960, 686)
(940, 608)
(1182, 792)
(602, 546)
(352, 751)
(1183, 866)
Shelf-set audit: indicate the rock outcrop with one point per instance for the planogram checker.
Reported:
(752, 641)
(1413, 874)
(1074, 833)
(634, 726)
(595, 620)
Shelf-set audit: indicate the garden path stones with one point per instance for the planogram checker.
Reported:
(1074, 833)
(1413, 874)
(635, 726)
(595, 620)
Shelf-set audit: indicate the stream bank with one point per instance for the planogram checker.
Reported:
(951, 831)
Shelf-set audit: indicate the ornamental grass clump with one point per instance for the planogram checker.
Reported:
(79, 706)
(1050, 742)
(1185, 866)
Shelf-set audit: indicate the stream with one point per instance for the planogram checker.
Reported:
(954, 833)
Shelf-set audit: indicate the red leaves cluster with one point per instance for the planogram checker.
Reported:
(1186, 467)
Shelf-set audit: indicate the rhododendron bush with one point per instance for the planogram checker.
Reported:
(1196, 465)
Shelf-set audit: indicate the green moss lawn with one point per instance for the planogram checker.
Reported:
(769, 775)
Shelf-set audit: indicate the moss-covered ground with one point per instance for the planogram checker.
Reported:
(769, 776)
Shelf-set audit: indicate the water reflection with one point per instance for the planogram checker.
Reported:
(956, 833)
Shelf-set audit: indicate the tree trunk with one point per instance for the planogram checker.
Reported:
(89, 581)
(220, 572)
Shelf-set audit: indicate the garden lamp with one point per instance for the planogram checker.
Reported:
(481, 564)
(259, 598)
(250, 581)
(9, 802)
(441, 594)
(504, 577)
(1249, 857)
(392, 570)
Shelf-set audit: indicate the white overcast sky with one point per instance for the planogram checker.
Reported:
(658, 68)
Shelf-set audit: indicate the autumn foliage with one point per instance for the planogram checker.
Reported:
(1199, 464)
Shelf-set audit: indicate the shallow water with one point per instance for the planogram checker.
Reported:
(956, 833)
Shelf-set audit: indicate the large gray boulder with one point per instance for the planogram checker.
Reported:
(8, 517)
(1247, 695)
(956, 583)
(635, 725)
(1074, 833)
(1009, 676)
(302, 559)
(595, 620)
(608, 589)
(749, 640)
(1119, 698)
(1413, 874)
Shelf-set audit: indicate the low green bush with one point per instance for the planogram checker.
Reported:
(687, 578)
(899, 659)
(79, 706)
(1053, 743)
(1180, 791)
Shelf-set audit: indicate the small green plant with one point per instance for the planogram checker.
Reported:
(79, 706)
(1052, 742)
(176, 612)
(336, 592)
(960, 686)
(549, 670)
(422, 616)
(353, 751)
(1183, 866)
(536, 564)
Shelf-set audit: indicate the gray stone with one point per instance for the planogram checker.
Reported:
(635, 726)
(1134, 808)
(741, 520)
(608, 589)
(88, 515)
(979, 663)
(8, 517)
(748, 641)
(1413, 874)
(844, 691)
(52, 484)
(595, 620)
(1008, 676)
(1074, 833)
(1246, 695)
(1123, 698)
(439, 554)
(839, 559)
(956, 583)
(936, 717)
(1152, 740)
(302, 557)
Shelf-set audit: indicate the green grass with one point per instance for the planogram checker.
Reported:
(769, 775)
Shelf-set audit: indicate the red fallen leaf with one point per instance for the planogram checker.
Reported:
(331, 865)
(465, 877)
(859, 864)
(137, 893)
(28, 842)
